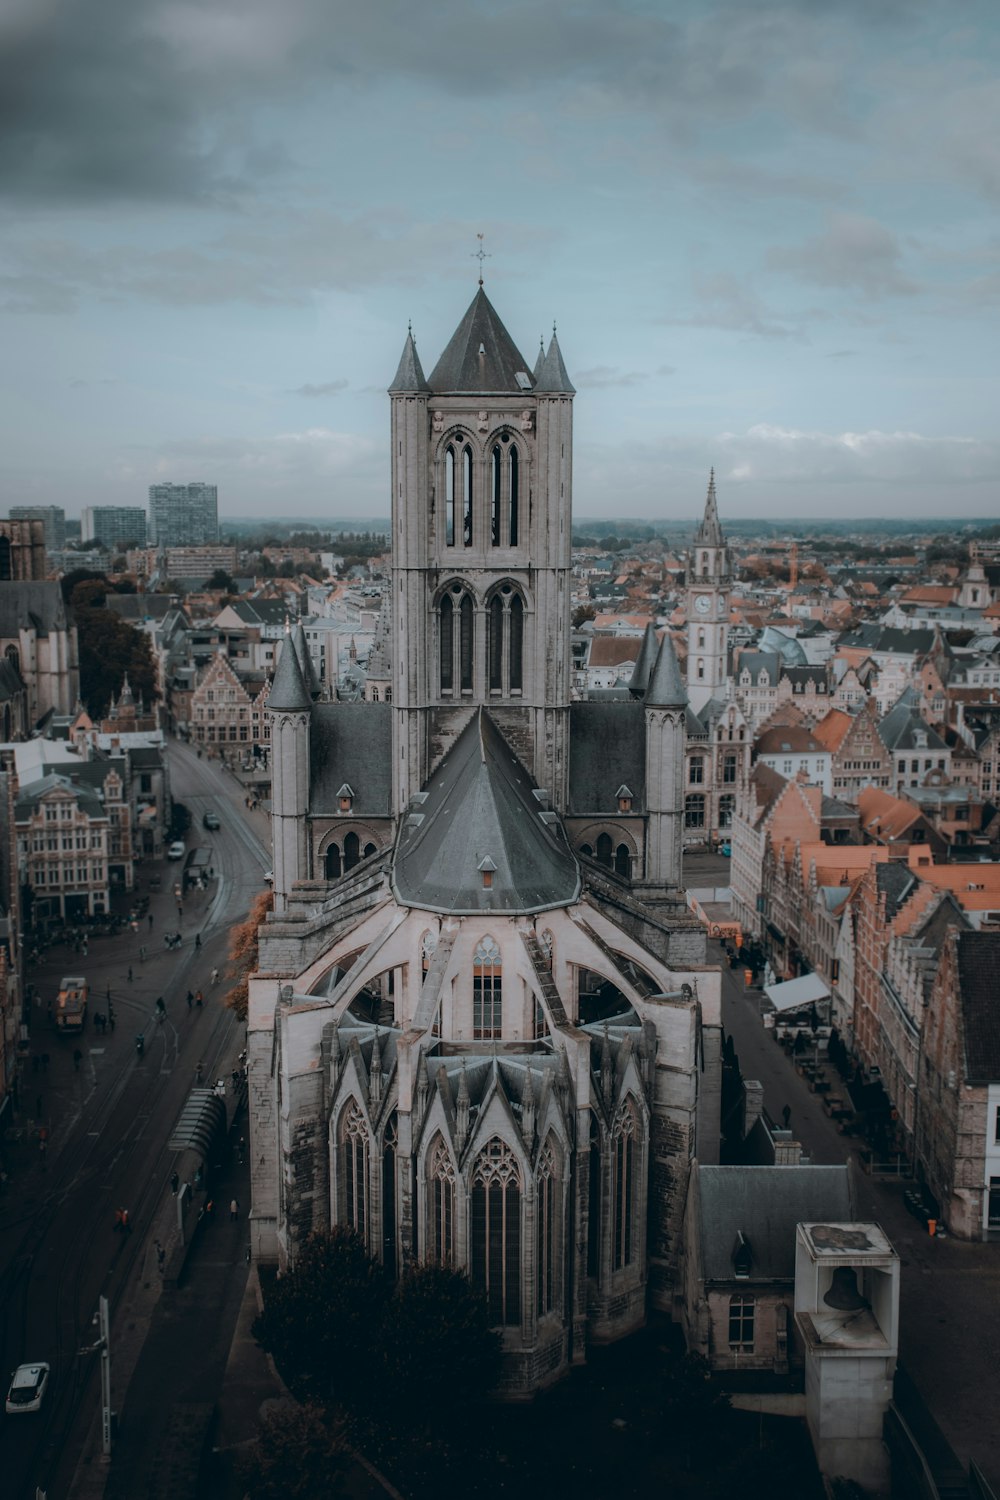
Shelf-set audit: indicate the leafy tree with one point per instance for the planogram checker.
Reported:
(109, 648)
(583, 612)
(70, 580)
(180, 820)
(220, 579)
(243, 952)
(440, 1354)
(298, 1454)
(321, 1320)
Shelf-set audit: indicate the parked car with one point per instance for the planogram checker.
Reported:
(28, 1385)
(211, 820)
(176, 849)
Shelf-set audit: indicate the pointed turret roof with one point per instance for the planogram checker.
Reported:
(666, 685)
(539, 362)
(305, 661)
(289, 693)
(478, 839)
(552, 376)
(709, 533)
(644, 663)
(409, 376)
(481, 355)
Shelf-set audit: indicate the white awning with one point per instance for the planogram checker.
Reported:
(795, 992)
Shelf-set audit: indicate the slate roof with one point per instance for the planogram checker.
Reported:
(551, 374)
(978, 967)
(30, 602)
(607, 747)
(666, 685)
(28, 797)
(756, 662)
(11, 685)
(463, 368)
(789, 739)
(140, 606)
(409, 375)
(478, 813)
(645, 661)
(766, 1203)
(351, 742)
(261, 611)
(895, 882)
(289, 693)
(888, 640)
(904, 729)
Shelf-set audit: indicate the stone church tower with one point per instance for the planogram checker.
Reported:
(481, 548)
(709, 580)
(482, 1032)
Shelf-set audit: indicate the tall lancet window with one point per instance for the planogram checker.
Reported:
(496, 614)
(487, 991)
(467, 496)
(441, 1239)
(514, 497)
(447, 625)
(546, 1223)
(354, 1160)
(467, 641)
(496, 496)
(505, 641)
(449, 496)
(496, 1232)
(516, 633)
(624, 1145)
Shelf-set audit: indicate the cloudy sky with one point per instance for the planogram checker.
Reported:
(768, 232)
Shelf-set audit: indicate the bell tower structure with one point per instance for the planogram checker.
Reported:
(482, 456)
(709, 581)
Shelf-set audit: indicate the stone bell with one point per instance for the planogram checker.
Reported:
(843, 1294)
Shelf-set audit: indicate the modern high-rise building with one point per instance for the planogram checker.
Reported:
(114, 526)
(183, 515)
(53, 517)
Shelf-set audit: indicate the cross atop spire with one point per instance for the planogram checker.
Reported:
(481, 254)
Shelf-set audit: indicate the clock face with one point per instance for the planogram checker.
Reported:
(703, 604)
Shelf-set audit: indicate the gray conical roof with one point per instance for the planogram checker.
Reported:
(289, 693)
(645, 662)
(481, 355)
(666, 685)
(305, 661)
(552, 376)
(479, 815)
(539, 362)
(409, 376)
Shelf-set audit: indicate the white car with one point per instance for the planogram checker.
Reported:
(28, 1385)
(176, 849)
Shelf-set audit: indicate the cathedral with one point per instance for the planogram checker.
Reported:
(483, 1031)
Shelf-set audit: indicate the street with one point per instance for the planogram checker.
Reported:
(107, 1118)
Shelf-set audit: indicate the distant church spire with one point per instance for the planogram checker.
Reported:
(709, 533)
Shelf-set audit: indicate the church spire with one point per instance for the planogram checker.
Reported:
(552, 375)
(409, 376)
(709, 533)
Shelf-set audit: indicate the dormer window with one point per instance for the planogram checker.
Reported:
(345, 799)
(624, 796)
(487, 869)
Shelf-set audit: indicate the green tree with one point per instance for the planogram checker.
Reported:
(321, 1320)
(109, 648)
(220, 579)
(440, 1354)
(298, 1454)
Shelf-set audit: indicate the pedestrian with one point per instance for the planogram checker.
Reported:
(209, 1208)
(161, 1255)
(786, 1115)
(215, 976)
(234, 1210)
(142, 955)
(242, 1148)
(151, 921)
(130, 973)
(108, 994)
(190, 999)
(126, 1225)
(175, 1183)
(111, 1019)
(198, 998)
(119, 1220)
(236, 1079)
(197, 939)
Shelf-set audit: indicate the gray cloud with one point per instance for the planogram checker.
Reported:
(854, 253)
(724, 301)
(330, 388)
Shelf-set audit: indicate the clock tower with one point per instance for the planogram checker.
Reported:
(708, 584)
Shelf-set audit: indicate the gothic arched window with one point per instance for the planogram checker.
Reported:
(516, 647)
(603, 854)
(496, 1232)
(13, 655)
(547, 1223)
(624, 1146)
(623, 860)
(467, 496)
(466, 636)
(514, 498)
(441, 1232)
(496, 495)
(333, 866)
(505, 640)
(447, 644)
(449, 496)
(487, 991)
(594, 1200)
(496, 614)
(354, 1152)
(352, 851)
(5, 559)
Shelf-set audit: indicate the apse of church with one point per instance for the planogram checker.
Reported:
(481, 1042)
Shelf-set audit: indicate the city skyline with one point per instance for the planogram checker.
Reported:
(767, 236)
